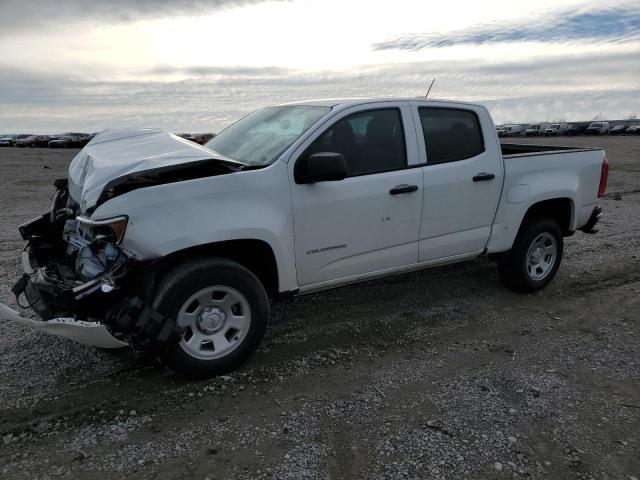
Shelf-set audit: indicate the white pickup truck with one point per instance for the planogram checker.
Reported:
(156, 241)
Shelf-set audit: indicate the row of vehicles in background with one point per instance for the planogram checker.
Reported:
(564, 128)
(66, 140)
(74, 140)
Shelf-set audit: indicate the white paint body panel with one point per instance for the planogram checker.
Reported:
(530, 179)
(115, 153)
(254, 205)
(457, 212)
(450, 218)
(371, 229)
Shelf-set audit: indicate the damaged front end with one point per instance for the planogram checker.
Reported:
(81, 283)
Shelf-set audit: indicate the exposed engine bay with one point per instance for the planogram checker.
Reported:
(68, 257)
(79, 277)
(75, 270)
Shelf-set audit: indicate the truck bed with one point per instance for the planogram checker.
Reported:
(511, 150)
(535, 173)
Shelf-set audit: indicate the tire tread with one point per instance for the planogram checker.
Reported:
(177, 281)
(511, 263)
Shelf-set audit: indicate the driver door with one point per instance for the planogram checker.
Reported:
(370, 220)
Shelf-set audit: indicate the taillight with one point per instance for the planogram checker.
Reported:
(604, 175)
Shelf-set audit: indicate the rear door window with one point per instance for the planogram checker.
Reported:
(450, 134)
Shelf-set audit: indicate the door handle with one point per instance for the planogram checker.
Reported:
(397, 190)
(482, 177)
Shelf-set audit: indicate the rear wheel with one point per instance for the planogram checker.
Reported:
(535, 256)
(224, 311)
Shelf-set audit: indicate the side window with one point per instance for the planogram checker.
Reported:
(450, 134)
(371, 141)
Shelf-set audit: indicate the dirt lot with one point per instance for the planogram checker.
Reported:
(438, 374)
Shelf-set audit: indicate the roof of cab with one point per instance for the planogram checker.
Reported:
(347, 102)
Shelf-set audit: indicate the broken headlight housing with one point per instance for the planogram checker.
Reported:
(110, 230)
(94, 244)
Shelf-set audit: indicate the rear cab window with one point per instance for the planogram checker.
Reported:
(450, 134)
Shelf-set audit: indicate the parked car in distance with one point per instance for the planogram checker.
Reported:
(598, 128)
(25, 141)
(152, 238)
(534, 130)
(41, 141)
(619, 129)
(203, 138)
(574, 129)
(86, 139)
(187, 136)
(513, 130)
(634, 129)
(8, 140)
(63, 141)
(556, 129)
(68, 140)
(199, 138)
(22, 136)
(500, 130)
(33, 141)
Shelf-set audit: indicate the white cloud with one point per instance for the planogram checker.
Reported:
(196, 64)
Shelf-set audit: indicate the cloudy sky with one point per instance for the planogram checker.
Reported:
(196, 65)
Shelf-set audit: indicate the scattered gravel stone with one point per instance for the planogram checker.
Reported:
(469, 373)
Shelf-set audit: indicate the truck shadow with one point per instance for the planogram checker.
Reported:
(329, 326)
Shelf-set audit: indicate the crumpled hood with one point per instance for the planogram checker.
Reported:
(118, 152)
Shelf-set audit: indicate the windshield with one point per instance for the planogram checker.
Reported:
(596, 125)
(554, 126)
(259, 138)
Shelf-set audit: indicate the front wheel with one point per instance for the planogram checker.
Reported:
(224, 311)
(535, 256)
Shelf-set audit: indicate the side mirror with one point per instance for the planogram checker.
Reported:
(320, 167)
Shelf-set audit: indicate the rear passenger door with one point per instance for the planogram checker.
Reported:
(368, 221)
(462, 179)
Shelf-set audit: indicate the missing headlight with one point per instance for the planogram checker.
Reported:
(94, 244)
(92, 261)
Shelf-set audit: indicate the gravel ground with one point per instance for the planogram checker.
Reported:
(442, 373)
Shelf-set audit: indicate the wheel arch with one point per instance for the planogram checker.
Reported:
(255, 255)
(560, 209)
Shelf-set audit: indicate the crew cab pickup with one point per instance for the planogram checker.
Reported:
(156, 241)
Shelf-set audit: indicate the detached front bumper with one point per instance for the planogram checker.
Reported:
(68, 307)
(87, 333)
(82, 285)
(92, 312)
(101, 312)
(45, 295)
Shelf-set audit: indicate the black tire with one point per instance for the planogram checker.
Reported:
(512, 265)
(175, 289)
